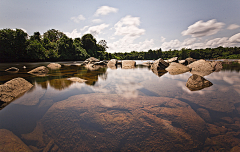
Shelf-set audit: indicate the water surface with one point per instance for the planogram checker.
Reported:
(124, 109)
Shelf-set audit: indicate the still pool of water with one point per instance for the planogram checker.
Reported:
(124, 110)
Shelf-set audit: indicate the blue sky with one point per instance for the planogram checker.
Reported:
(131, 25)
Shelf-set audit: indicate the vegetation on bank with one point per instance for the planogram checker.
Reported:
(53, 45)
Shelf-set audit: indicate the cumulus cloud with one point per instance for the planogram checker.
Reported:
(235, 38)
(129, 26)
(97, 21)
(200, 28)
(104, 10)
(96, 30)
(163, 39)
(85, 27)
(74, 34)
(78, 18)
(233, 27)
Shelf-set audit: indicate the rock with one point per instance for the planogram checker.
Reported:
(159, 64)
(174, 59)
(177, 68)
(190, 60)
(217, 65)
(12, 69)
(239, 61)
(196, 82)
(100, 63)
(112, 64)
(150, 120)
(201, 65)
(182, 62)
(13, 88)
(91, 60)
(54, 66)
(76, 79)
(201, 73)
(39, 71)
(11, 143)
(92, 67)
(128, 64)
(148, 63)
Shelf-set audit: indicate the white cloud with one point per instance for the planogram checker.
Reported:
(23, 30)
(97, 21)
(200, 28)
(233, 27)
(217, 42)
(78, 18)
(73, 34)
(104, 10)
(82, 29)
(173, 44)
(129, 26)
(96, 30)
(235, 38)
(163, 39)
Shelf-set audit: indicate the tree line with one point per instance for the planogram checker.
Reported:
(16, 45)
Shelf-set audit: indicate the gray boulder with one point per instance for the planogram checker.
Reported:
(196, 82)
(13, 88)
(39, 71)
(159, 64)
(177, 68)
(12, 69)
(112, 64)
(54, 66)
(128, 64)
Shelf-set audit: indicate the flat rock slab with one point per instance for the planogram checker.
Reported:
(13, 88)
(177, 68)
(196, 82)
(39, 71)
(96, 122)
(54, 66)
(76, 79)
(128, 64)
(11, 143)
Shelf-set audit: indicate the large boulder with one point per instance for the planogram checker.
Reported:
(13, 88)
(159, 64)
(12, 69)
(112, 64)
(189, 60)
(196, 82)
(54, 66)
(91, 60)
(177, 68)
(128, 64)
(217, 66)
(201, 65)
(39, 71)
(174, 59)
(11, 143)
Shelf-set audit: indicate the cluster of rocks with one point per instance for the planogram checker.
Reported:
(198, 68)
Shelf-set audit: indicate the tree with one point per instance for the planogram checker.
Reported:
(53, 35)
(89, 44)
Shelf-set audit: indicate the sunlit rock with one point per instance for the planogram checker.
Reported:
(148, 63)
(39, 71)
(11, 143)
(158, 67)
(174, 59)
(217, 66)
(54, 66)
(196, 82)
(128, 64)
(13, 88)
(182, 62)
(112, 64)
(12, 69)
(202, 65)
(97, 122)
(76, 79)
(177, 68)
(90, 60)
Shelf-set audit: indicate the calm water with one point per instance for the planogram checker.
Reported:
(124, 110)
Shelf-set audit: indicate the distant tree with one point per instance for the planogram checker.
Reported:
(53, 35)
(89, 44)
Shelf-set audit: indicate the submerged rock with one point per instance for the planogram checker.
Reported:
(39, 71)
(128, 64)
(196, 82)
(13, 88)
(177, 68)
(100, 123)
(76, 79)
(54, 66)
(11, 143)
(112, 64)
(12, 69)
